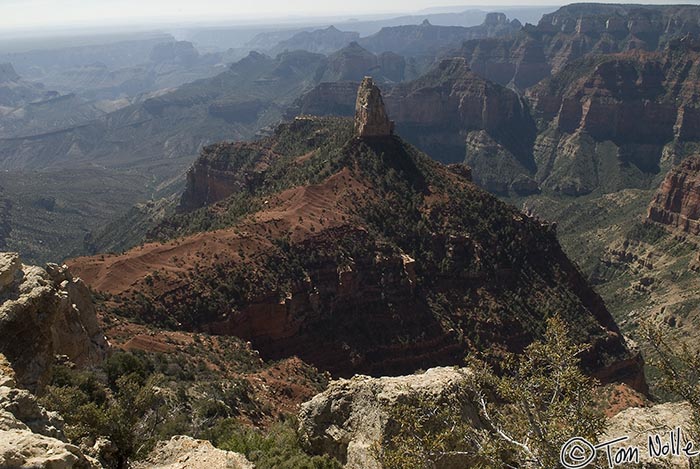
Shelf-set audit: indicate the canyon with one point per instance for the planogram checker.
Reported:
(353, 243)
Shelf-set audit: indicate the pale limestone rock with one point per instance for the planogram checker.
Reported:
(31, 437)
(47, 313)
(183, 452)
(352, 415)
(9, 269)
(24, 449)
(638, 423)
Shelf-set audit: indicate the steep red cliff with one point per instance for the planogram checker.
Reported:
(677, 202)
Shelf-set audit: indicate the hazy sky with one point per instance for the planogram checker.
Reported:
(37, 13)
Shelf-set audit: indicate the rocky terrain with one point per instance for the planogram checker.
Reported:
(352, 416)
(638, 423)
(334, 239)
(371, 118)
(29, 435)
(47, 312)
(44, 314)
(184, 452)
(51, 335)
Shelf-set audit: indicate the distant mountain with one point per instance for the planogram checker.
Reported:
(47, 115)
(152, 142)
(172, 126)
(603, 122)
(14, 91)
(35, 63)
(354, 62)
(344, 250)
(166, 65)
(426, 38)
(321, 41)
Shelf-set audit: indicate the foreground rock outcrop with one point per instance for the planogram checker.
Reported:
(677, 202)
(638, 423)
(184, 452)
(352, 416)
(31, 437)
(45, 312)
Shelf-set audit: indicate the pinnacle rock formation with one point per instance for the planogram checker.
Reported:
(371, 119)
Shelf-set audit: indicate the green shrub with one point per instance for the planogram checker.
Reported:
(276, 448)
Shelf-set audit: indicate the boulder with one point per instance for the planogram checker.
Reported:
(47, 313)
(353, 415)
(184, 452)
(638, 423)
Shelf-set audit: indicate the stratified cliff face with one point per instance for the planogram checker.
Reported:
(359, 255)
(326, 99)
(573, 32)
(516, 62)
(677, 202)
(214, 177)
(486, 125)
(609, 122)
(45, 313)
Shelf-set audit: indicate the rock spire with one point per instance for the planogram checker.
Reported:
(371, 119)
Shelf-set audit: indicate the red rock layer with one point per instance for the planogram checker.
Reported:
(677, 202)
